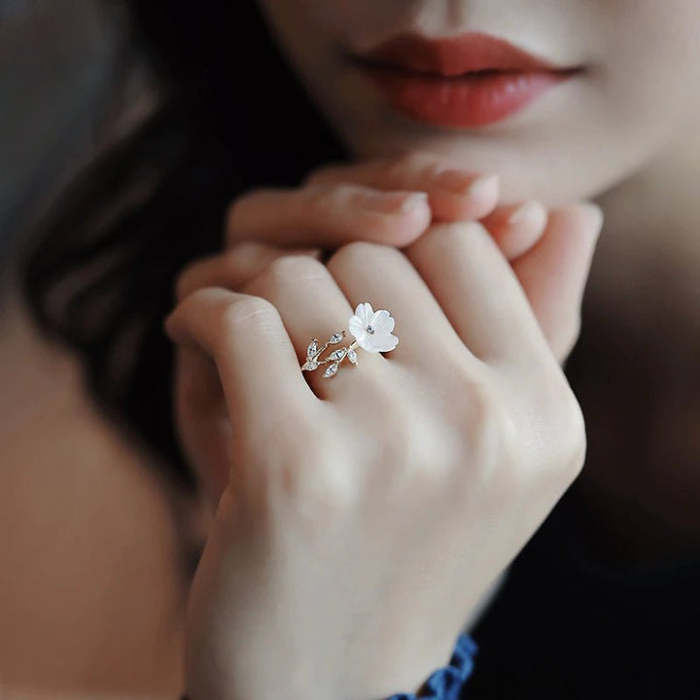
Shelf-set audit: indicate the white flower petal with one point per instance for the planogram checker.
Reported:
(366, 342)
(385, 342)
(356, 326)
(364, 312)
(382, 321)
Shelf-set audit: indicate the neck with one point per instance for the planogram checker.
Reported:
(636, 366)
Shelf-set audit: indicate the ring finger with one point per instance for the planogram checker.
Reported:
(312, 305)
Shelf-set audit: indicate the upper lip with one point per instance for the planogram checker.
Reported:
(456, 55)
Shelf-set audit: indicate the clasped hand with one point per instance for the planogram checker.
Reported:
(360, 519)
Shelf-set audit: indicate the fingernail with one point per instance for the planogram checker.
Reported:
(416, 200)
(456, 181)
(394, 202)
(484, 185)
(531, 211)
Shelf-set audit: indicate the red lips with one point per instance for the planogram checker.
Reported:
(464, 81)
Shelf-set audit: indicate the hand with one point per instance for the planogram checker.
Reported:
(402, 493)
(393, 201)
(385, 201)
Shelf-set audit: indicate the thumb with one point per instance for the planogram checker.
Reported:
(554, 271)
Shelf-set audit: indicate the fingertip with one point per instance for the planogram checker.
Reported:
(409, 222)
(416, 203)
(531, 215)
(417, 217)
(517, 227)
(586, 214)
(484, 187)
(476, 198)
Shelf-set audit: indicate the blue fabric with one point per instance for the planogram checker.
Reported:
(446, 683)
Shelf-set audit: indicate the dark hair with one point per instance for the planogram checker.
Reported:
(100, 274)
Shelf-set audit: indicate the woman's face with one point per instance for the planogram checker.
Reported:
(584, 93)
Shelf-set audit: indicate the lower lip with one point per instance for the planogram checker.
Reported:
(464, 101)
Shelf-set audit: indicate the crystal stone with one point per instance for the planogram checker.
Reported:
(312, 349)
(331, 370)
(338, 354)
(352, 356)
(309, 365)
(335, 338)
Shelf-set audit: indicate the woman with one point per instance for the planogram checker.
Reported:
(356, 535)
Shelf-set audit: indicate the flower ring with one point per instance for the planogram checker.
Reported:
(371, 330)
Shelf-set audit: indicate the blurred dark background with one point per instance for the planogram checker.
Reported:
(67, 81)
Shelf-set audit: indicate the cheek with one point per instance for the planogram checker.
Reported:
(652, 71)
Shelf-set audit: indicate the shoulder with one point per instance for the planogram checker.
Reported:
(89, 545)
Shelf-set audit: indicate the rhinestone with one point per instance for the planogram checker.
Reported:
(309, 365)
(331, 370)
(339, 354)
(312, 349)
(335, 338)
(370, 330)
(352, 356)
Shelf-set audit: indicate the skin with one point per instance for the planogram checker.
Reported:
(267, 293)
(625, 132)
(613, 136)
(490, 434)
(610, 135)
(623, 83)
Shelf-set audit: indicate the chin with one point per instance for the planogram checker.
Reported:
(565, 148)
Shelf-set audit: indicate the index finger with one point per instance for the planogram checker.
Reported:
(254, 355)
(328, 216)
(454, 194)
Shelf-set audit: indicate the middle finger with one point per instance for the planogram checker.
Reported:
(383, 276)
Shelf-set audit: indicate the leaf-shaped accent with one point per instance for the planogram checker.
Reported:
(312, 349)
(331, 370)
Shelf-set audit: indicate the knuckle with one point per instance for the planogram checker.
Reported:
(575, 446)
(413, 450)
(451, 236)
(318, 487)
(568, 335)
(290, 269)
(494, 442)
(232, 217)
(399, 444)
(353, 253)
(465, 233)
(485, 423)
(567, 429)
(496, 434)
(248, 311)
(328, 490)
